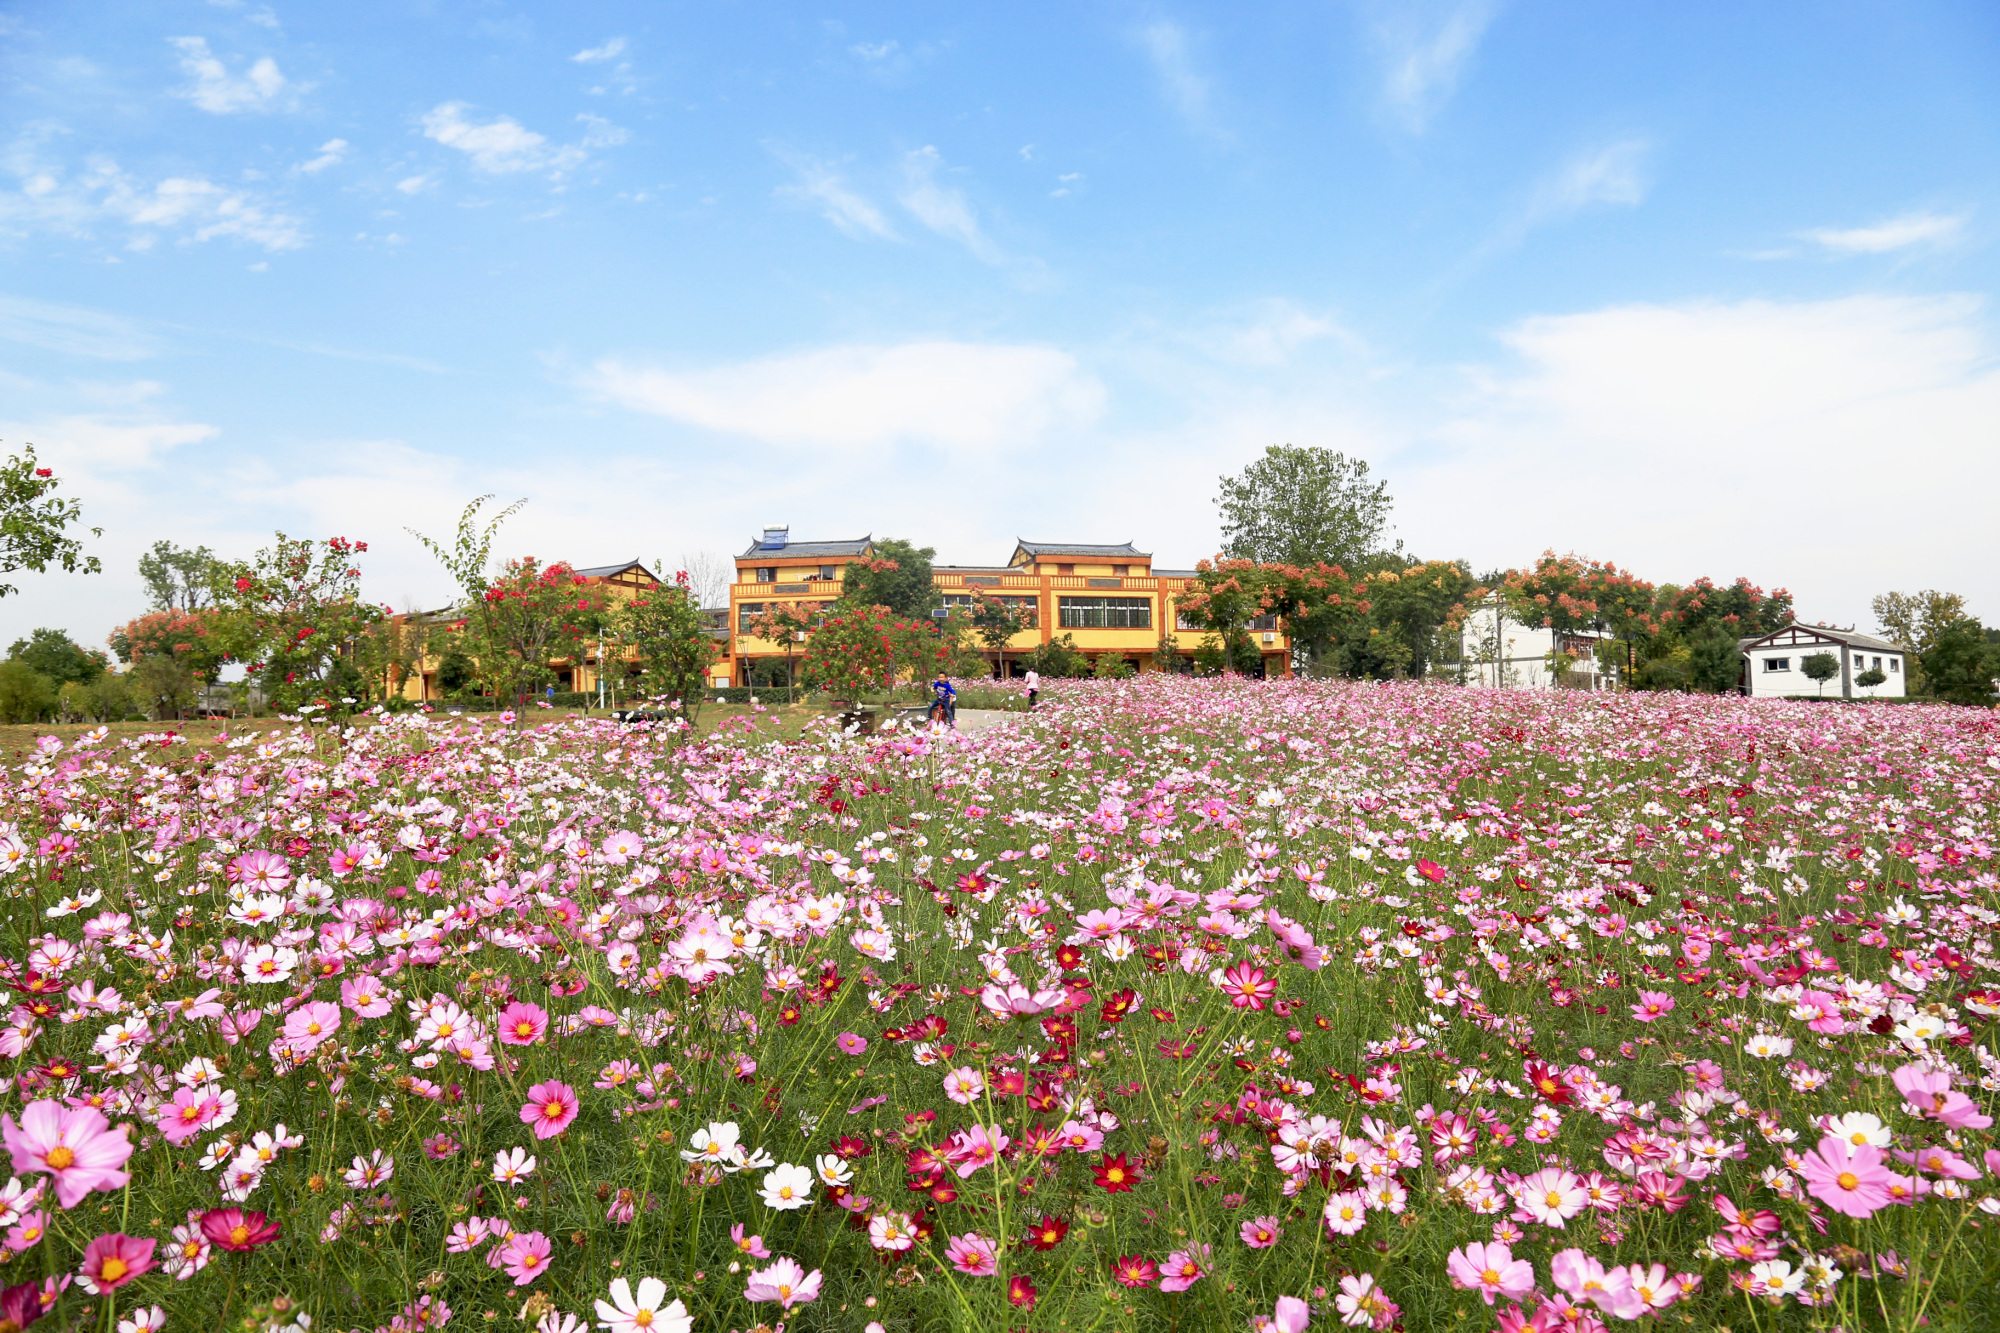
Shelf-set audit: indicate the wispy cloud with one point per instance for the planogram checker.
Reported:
(52, 198)
(74, 330)
(503, 146)
(611, 50)
(331, 153)
(1911, 229)
(943, 209)
(966, 397)
(216, 90)
(822, 188)
(1425, 49)
(1184, 86)
(1613, 174)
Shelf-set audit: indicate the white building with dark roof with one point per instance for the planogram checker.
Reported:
(1774, 663)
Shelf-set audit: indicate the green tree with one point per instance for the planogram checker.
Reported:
(898, 576)
(664, 627)
(294, 616)
(162, 687)
(1715, 662)
(528, 616)
(1303, 506)
(32, 522)
(855, 653)
(1915, 620)
(26, 695)
(1961, 664)
(51, 652)
(1059, 658)
(1417, 606)
(178, 579)
(996, 622)
(1870, 678)
(1820, 668)
(1111, 666)
(1167, 655)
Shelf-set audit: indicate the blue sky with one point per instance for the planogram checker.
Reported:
(1699, 288)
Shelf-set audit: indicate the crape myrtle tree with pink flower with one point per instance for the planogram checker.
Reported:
(1178, 1004)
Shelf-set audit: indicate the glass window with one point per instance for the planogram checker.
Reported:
(1895, 664)
(1185, 620)
(1106, 612)
(828, 572)
(1777, 664)
(767, 574)
(745, 613)
(1262, 623)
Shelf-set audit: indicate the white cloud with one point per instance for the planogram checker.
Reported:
(51, 198)
(503, 145)
(1185, 88)
(611, 50)
(1795, 443)
(332, 152)
(1425, 48)
(823, 189)
(73, 330)
(943, 209)
(1266, 333)
(959, 397)
(1613, 174)
(215, 89)
(601, 133)
(412, 184)
(1896, 234)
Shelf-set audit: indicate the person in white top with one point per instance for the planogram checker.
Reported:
(1034, 687)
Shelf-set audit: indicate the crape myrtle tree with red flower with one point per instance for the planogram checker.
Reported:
(32, 522)
(295, 617)
(865, 650)
(664, 627)
(1311, 604)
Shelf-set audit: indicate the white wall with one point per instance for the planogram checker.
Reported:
(1519, 660)
(1768, 684)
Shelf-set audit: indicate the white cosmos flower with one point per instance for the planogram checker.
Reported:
(787, 1187)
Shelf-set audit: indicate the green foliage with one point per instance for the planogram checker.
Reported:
(193, 638)
(1821, 668)
(1715, 663)
(856, 653)
(456, 672)
(1961, 664)
(55, 655)
(178, 579)
(471, 550)
(1870, 678)
(1303, 506)
(1915, 620)
(1059, 658)
(32, 522)
(664, 628)
(1112, 666)
(291, 615)
(526, 617)
(898, 576)
(162, 687)
(26, 695)
(1743, 609)
(1167, 655)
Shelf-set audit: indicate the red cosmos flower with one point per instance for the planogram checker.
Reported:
(1430, 870)
(1162, 1015)
(1048, 1233)
(1176, 1050)
(1548, 1084)
(1114, 1174)
(1117, 1006)
(235, 1229)
(971, 883)
(1022, 1292)
(20, 1306)
(1011, 1083)
(1135, 1270)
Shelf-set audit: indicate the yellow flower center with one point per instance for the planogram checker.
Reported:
(112, 1269)
(643, 1318)
(1847, 1180)
(1490, 1277)
(239, 1234)
(1553, 1199)
(60, 1158)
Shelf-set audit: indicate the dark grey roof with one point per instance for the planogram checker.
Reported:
(1846, 636)
(804, 550)
(606, 571)
(1176, 573)
(1076, 548)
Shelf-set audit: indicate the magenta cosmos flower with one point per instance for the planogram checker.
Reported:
(1491, 1270)
(784, 1282)
(109, 1262)
(551, 1106)
(1183, 1268)
(1652, 1004)
(1247, 987)
(523, 1024)
(853, 1043)
(525, 1256)
(1847, 1177)
(76, 1145)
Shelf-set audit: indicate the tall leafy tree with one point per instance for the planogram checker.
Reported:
(1303, 506)
(1916, 620)
(294, 615)
(177, 578)
(53, 653)
(1960, 665)
(663, 624)
(33, 522)
(995, 622)
(898, 576)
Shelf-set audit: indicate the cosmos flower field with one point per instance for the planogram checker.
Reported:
(1174, 1005)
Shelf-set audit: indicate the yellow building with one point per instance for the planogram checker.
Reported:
(1108, 599)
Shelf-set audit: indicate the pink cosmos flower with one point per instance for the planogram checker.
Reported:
(973, 1254)
(1653, 1004)
(1491, 1270)
(976, 1147)
(29, 1231)
(1184, 1268)
(1940, 1161)
(750, 1245)
(1819, 1011)
(550, 1108)
(785, 1282)
(110, 1261)
(853, 1043)
(1551, 1196)
(261, 871)
(1361, 1302)
(77, 1146)
(191, 1111)
(348, 859)
(1584, 1278)
(1260, 1233)
(1292, 1316)
(310, 1024)
(1930, 1092)
(1296, 941)
(1655, 1290)
(1847, 1177)
(522, 1024)
(366, 996)
(1247, 987)
(1346, 1213)
(524, 1256)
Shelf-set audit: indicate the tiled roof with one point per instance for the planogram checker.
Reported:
(1846, 636)
(606, 571)
(803, 550)
(1076, 548)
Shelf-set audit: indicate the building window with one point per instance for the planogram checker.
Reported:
(745, 613)
(1262, 623)
(1877, 664)
(1777, 664)
(767, 574)
(1106, 612)
(1895, 664)
(1187, 620)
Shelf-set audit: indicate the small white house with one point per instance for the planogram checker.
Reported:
(1501, 652)
(1774, 663)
